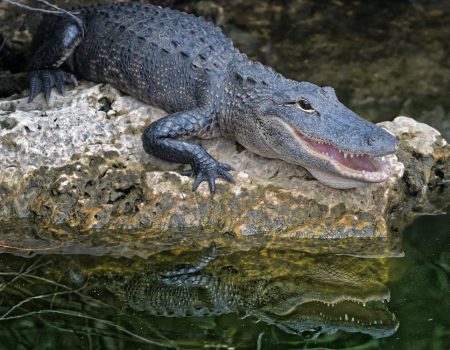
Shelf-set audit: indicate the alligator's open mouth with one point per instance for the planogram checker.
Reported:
(351, 316)
(358, 166)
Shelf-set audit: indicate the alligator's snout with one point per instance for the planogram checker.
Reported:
(381, 142)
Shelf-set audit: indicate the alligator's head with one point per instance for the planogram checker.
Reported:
(315, 318)
(325, 304)
(305, 124)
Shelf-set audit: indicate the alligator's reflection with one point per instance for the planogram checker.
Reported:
(156, 301)
(300, 294)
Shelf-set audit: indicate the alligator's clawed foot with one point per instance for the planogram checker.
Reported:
(210, 173)
(44, 79)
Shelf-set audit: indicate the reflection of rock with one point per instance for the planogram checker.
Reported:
(313, 295)
(80, 164)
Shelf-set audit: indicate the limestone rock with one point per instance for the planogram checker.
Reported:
(76, 169)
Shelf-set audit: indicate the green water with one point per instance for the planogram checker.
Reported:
(420, 287)
(240, 300)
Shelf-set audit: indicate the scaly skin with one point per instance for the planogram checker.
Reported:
(187, 67)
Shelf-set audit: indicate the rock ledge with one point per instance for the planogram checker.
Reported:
(78, 165)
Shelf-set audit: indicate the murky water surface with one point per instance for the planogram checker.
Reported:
(216, 299)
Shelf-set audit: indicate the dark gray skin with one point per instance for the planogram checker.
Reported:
(186, 66)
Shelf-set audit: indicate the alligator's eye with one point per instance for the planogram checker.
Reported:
(311, 333)
(305, 106)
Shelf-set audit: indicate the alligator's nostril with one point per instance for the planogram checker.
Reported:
(381, 141)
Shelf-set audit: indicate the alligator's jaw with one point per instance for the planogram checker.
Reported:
(348, 316)
(350, 169)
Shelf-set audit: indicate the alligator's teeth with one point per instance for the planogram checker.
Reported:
(353, 319)
(345, 155)
(351, 155)
(381, 322)
(364, 304)
(346, 317)
(375, 322)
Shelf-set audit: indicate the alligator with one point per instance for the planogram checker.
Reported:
(320, 303)
(189, 68)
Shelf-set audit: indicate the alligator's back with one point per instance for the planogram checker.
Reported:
(155, 54)
(197, 295)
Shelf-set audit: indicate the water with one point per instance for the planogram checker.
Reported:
(260, 299)
(420, 287)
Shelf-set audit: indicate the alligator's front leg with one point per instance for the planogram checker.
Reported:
(160, 140)
(191, 275)
(50, 52)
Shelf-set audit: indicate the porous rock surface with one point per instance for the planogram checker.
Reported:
(77, 167)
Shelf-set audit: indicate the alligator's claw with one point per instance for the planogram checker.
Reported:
(210, 173)
(44, 79)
